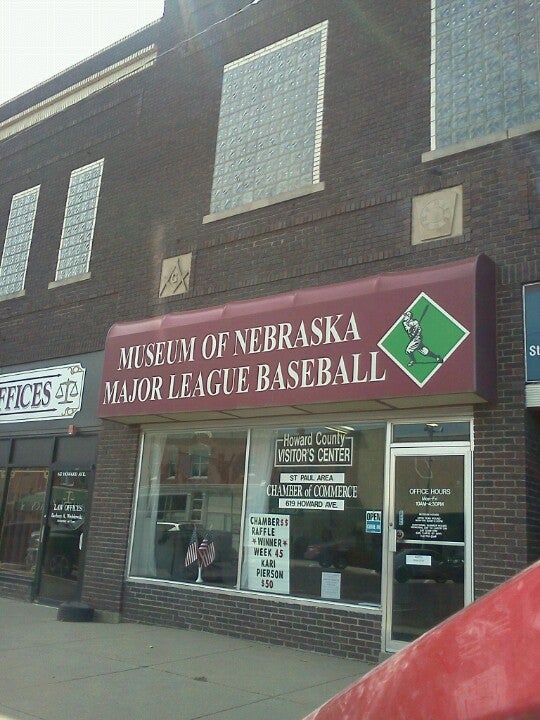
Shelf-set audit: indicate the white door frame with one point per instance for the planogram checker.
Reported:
(389, 532)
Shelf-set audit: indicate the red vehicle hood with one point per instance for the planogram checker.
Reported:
(483, 663)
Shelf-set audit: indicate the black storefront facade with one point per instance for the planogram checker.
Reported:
(48, 442)
(304, 468)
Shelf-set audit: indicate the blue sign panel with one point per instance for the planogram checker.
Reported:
(373, 521)
(531, 297)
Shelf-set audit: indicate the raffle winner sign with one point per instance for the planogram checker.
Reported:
(364, 340)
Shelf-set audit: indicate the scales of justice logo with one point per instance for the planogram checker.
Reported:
(69, 391)
(422, 339)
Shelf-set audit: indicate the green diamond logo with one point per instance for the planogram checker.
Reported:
(422, 339)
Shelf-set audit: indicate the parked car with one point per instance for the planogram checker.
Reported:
(483, 663)
(342, 553)
(434, 564)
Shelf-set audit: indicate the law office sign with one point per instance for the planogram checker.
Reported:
(52, 393)
(531, 313)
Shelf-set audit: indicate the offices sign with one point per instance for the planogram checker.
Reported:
(52, 393)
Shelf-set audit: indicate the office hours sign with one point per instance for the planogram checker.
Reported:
(429, 498)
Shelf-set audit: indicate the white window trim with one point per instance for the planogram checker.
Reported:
(457, 414)
(316, 186)
(481, 141)
(12, 296)
(264, 202)
(70, 280)
(75, 93)
(20, 292)
(80, 276)
(435, 153)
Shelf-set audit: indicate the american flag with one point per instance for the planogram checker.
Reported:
(207, 551)
(191, 552)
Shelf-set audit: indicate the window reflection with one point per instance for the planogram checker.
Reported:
(312, 516)
(191, 486)
(22, 516)
(329, 487)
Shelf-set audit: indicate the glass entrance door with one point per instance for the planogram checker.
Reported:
(428, 567)
(63, 536)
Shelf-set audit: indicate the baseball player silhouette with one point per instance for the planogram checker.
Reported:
(416, 342)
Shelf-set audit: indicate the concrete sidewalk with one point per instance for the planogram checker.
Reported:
(56, 670)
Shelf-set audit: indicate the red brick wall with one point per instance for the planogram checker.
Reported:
(334, 631)
(112, 497)
(532, 434)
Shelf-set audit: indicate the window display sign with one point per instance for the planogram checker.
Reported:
(268, 550)
(429, 523)
(309, 454)
(314, 448)
(68, 502)
(331, 585)
(373, 521)
(429, 499)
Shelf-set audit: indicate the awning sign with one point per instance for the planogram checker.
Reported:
(397, 335)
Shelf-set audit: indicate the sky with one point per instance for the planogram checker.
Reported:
(39, 38)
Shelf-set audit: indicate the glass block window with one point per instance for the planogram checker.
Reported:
(485, 72)
(79, 220)
(270, 121)
(18, 238)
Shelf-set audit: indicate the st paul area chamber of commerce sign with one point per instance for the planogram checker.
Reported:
(391, 339)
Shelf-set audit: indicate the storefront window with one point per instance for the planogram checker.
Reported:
(312, 516)
(313, 523)
(21, 519)
(437, 432)
(189, 507)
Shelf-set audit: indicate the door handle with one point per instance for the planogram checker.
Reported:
(392, 540)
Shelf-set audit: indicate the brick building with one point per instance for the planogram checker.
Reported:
(270, 305)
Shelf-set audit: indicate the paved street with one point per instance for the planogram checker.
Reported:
(56, 670)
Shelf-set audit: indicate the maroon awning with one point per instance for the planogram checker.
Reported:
(398, 340)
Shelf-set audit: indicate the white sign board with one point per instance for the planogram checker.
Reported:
(267, 547)
(331, 585)
(315, 477)
(52, 393)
